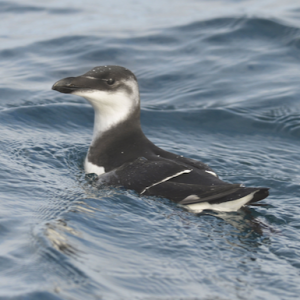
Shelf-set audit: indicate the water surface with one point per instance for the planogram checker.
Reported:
(219, 82)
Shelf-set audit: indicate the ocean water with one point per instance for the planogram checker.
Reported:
(219, 82)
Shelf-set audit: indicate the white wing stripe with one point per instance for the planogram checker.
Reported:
(166, 179)
(212, 173)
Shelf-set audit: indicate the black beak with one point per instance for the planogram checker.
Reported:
(71, 84)
(65, 85)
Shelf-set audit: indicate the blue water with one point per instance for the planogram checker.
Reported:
(219, 82)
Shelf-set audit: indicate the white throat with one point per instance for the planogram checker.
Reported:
(109, 114)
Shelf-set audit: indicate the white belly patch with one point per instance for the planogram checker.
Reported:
(91, 168)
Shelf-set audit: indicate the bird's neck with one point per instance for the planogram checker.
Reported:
(111, 111)
(115, 122)
(108, 118)
(118, 144)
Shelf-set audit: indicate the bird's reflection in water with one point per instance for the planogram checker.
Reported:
(244, 221)
(246, 227)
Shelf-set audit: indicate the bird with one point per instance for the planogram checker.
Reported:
(121, 155)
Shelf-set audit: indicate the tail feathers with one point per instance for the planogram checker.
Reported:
(261, 194)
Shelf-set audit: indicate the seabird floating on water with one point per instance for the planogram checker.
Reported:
(122, 155)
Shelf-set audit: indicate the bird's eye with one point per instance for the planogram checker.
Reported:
(110, 81)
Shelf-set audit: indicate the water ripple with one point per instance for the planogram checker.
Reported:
(223, 90)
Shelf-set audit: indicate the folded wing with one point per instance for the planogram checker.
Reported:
(165, 178)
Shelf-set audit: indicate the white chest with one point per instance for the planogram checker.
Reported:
(91, 168)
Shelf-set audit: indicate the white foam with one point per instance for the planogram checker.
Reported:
(233, 205)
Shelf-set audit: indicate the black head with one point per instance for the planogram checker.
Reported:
(112, 91)
(103, 78)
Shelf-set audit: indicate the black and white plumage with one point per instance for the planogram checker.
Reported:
(122, 155)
